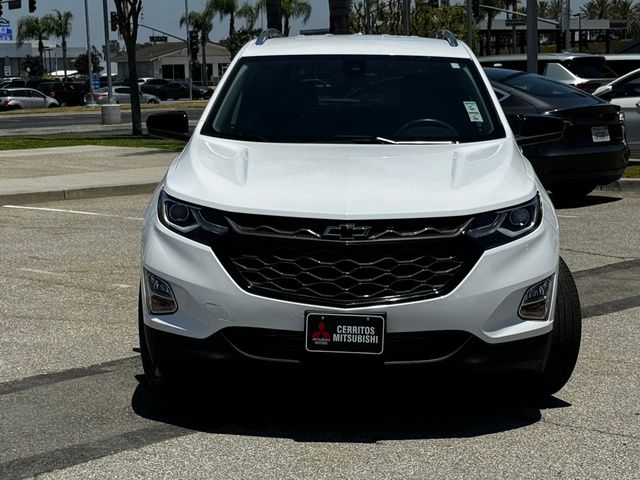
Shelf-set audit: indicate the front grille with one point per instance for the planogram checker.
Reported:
(399, 347)
(344, 273)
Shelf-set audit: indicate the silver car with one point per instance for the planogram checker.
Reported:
(121, 94)
(625, 92)
(16, 98)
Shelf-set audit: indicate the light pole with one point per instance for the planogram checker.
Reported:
(89, 62)
(107, 54)
(188, 72)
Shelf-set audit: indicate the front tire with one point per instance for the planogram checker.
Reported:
(565, 337)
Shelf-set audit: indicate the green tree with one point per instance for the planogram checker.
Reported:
(223, 8)
(128, 12)
(80, 63)
(597, 9)
(33, 28)
(59, 25)
(250, 13)
(294, 9)
(33, 66)
(201, 22)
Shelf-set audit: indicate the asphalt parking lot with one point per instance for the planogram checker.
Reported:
(72, 406)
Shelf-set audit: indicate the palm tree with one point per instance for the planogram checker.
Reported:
(597, 9)
(555, 9)
(201, 22)
(294, 9)
(59, 24)
(223, 8)
(33, 28)
(250, 14)
(543, 9)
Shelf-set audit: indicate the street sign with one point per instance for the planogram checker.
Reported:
(6, 34)
(515, 22)
(95, 80)
(7, 70)
(158, 38)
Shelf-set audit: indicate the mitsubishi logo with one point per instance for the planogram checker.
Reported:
(347, 231)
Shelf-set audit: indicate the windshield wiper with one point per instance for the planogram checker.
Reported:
(388, 141)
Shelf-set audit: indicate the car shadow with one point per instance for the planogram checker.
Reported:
(588, 201)
(342, 408)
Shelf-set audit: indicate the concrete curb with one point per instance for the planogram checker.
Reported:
(622, 185)
(78, 193)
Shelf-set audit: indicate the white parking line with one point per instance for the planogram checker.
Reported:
(567, 216)
(75, 212)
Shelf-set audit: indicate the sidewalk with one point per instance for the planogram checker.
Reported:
(62, 173)
(47, 174)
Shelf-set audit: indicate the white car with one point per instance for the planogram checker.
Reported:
(120, 94)
(16, 98)
(625, 92)
(369, 218)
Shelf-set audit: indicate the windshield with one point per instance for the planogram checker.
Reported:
(354, 99)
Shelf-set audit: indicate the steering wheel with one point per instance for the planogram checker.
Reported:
(418, 122)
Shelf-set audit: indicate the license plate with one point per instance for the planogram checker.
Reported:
(600, 134)
(362, 334)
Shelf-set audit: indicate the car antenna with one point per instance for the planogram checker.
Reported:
(267, 34)
(449, 37)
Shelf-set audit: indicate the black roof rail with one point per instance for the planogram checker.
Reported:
(267, 34)
(449, 37)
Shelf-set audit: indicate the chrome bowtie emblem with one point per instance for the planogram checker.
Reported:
(346, 231)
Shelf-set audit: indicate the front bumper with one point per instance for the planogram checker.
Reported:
(452, 351)
(483, 306)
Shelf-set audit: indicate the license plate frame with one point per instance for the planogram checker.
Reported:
(322, 339)
(600, 134)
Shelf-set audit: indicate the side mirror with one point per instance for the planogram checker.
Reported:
(169, 125)
(535, 129)
(605, 92)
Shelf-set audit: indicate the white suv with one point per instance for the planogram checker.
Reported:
(356, 199)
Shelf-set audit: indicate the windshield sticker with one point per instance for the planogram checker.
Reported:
(455, 65)
(473, 112)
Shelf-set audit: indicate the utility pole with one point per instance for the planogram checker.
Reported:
(89, 62)
(567, 25)
(406, 7)
(188, 72)
(532, 36)
(107, 52)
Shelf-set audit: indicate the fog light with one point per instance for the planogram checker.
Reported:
(537, 300)
(160, 298)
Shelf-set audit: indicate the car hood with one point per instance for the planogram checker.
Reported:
(351, 181)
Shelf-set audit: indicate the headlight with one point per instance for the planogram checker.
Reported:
(502, 226)
(199, 224)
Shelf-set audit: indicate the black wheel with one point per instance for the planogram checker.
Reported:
(565, 338)
(153, 101)
(567, 193)
(156, 379)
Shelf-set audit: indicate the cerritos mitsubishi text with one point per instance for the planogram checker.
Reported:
(333, 207)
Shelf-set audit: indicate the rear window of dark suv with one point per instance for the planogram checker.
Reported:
(354, 99)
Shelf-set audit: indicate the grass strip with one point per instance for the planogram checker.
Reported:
(48, 141)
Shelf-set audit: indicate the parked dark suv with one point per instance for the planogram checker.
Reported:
(66, 93)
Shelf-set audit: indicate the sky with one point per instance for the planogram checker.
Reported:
(162, 14)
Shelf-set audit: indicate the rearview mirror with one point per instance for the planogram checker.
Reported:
(169, 125)
(533, 129)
